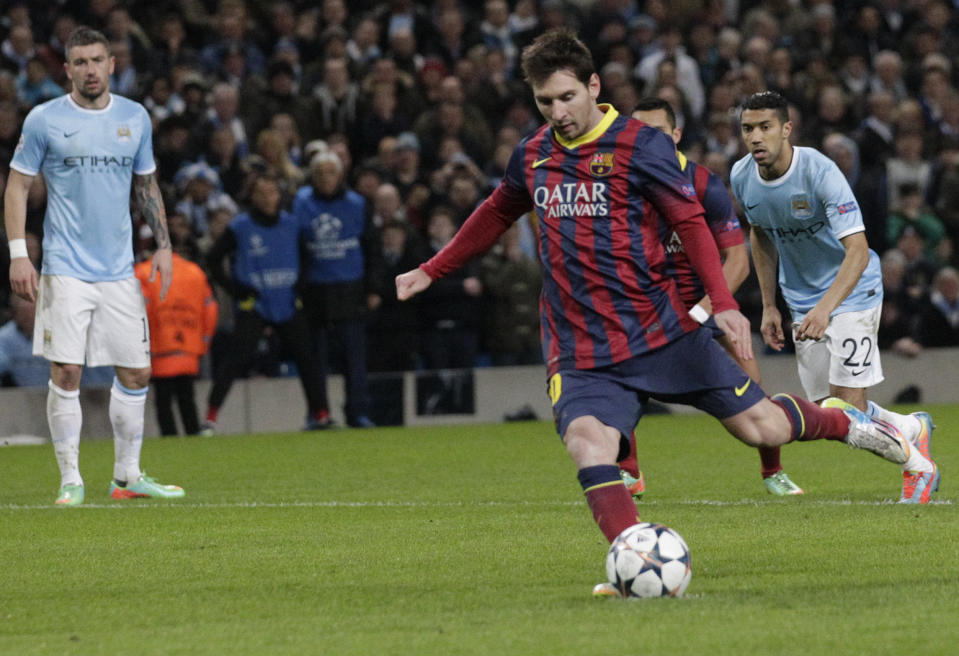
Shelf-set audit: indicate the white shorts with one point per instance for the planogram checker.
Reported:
(92, 323)
(847, 355)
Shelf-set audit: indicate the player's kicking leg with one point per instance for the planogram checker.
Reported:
(918, 427)
(919, 472)
(797, 419)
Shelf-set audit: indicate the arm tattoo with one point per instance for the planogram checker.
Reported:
(146, 196)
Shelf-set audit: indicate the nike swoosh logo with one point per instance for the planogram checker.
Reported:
(752, 207)
(742, 390)
(856, 373)
(539, 162)
(70, 134)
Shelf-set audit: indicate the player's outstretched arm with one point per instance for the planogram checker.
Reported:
(23, 275)
(146, 195)
(411, 283)
(736, 327)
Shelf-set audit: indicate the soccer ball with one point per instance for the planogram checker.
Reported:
(649, 560)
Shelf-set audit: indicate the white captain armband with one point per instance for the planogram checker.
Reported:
(18, 248)
(698, 313)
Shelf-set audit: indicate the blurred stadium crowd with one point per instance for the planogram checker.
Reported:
(423, 104)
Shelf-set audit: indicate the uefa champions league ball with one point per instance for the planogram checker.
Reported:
(649, 560)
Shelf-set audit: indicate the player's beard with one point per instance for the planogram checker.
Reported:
(95, 94)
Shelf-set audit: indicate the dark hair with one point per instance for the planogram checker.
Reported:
(769, 100)
(85, 36)
(557, 50)
(651, 104)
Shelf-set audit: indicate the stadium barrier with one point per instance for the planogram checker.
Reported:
(488, 394)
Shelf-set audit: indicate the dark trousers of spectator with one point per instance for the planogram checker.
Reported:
(344, 341)
(454, 348)
(396, 351)
(295, 335)
(165, 390)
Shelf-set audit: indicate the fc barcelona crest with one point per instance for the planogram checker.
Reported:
(601, 164)
(123, 133)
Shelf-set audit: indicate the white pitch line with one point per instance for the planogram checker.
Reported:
(175, 505)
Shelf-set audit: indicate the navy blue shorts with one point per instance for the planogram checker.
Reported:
(693, 370)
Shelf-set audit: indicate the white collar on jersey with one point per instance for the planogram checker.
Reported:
(785, 176)
(87, 110)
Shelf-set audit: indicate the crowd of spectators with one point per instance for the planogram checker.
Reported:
(423, 104)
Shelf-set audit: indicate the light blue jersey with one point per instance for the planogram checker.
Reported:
(806, 212)
(88, 159)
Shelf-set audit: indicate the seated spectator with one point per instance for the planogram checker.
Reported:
(19, 367)
(35, 85)
(17, 49)
(271, 147)
(161, 101)
(198, 185)
(366, 180)
(224, 105)
(285, 126)
(363, 48)
(899, 321)
(128, 37)
(181, 237)
(279, 95)
(222, 156)
(906, 165)
(867, 184)
(172, 48)
(405, 163)
(125, 80)
(231, 26)
(687, 69)
(383, 116)
(913, 212)
(940, 317)
(387, 205)
(874, 135)
(338, 99)
(9, 130)
(463, 193)
(173, 148)
(943, 194)
(919, 269)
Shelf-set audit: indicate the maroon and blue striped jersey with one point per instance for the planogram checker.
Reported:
(720, 218)
(599, 200)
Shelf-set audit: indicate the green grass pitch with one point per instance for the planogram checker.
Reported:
(471, 540)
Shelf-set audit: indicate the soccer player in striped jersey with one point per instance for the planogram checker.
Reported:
(615, 330)
(807, 224)
(91, 147)
(724, 226)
